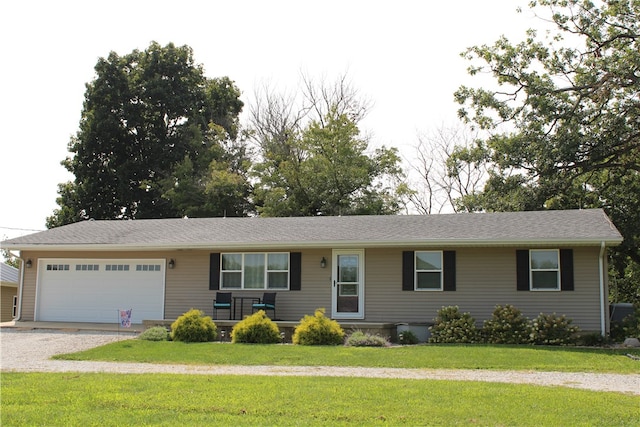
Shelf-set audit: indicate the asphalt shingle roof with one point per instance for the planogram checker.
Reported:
(589, 226)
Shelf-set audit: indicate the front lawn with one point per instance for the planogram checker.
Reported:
(72, 399)
(496, 357)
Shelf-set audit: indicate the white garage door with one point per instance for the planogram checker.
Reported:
(94, 290)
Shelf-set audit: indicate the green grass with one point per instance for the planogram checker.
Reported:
(71, 399)
(564, 359)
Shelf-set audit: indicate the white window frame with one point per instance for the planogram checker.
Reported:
(532, 286)
(416, 271)
(266, 271)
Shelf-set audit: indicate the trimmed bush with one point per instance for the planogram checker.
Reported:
(507, 326)
(256, 329)
(157, 333)
(551, 329)
(318, 330)
(194, 326)
(451, 326)
(408, 338)
(362, 339)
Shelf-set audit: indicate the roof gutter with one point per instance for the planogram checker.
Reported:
(262, 245)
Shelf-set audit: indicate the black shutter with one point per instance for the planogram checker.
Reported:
(214, 272)
(295, 271)
(522, 267)
(566, 269)
(408, 270)
(449, 271)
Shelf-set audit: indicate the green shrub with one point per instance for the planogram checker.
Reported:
(318, 330)
(593, 340)
(256, 329)
(551, 329)
(362, 339)
(451, 326)
(157, 333)
(507, 326)
(408, 338)
(194, 326)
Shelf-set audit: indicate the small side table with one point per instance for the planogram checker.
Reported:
(242, 299)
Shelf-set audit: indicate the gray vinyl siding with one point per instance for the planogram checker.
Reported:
(485, 277)
(187, 287)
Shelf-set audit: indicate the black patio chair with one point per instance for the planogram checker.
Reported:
(268, 302)
(222, 302)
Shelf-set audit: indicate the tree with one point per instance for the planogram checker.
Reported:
(8, 257)
(148, 116)
(444, 181)
(314, 160)
(564, 119)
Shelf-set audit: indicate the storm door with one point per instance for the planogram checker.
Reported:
(348, 284)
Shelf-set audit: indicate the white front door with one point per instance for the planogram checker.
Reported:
(348, 284)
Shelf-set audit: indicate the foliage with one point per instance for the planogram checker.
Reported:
(506, 326)
(156, 333)
(111, 399)
(451, 326)
(625, 287)
(194, 326)
(562, 120)
(318, 330)
(593, 340)
(256, 329)
(10, 259)
(156, 139)
(314, 159)
(551, 329)
(408, 338)
(365, 339)
(329, 174)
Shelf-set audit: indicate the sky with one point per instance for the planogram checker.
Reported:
(404, 56)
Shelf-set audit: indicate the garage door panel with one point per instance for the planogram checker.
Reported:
(75, 294)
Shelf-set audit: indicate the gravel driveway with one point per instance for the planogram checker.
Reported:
(30, 351)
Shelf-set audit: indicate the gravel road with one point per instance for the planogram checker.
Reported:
(30, 351)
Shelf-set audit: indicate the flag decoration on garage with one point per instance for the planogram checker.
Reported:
(125, 318)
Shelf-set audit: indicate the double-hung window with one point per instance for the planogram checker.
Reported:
(254, 271)
(544, 269)
(428, 265)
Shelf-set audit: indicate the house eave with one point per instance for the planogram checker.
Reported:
(454, 243)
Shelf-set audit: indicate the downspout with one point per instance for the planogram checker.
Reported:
(603, 307)
(20, 287)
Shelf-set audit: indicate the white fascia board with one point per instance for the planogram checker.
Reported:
(323, 244)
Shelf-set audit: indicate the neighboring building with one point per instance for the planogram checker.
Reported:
(8, 292)
(359, 268)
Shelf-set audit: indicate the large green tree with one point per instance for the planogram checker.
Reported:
(314, 159)
(563, 120)
(156, 138)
